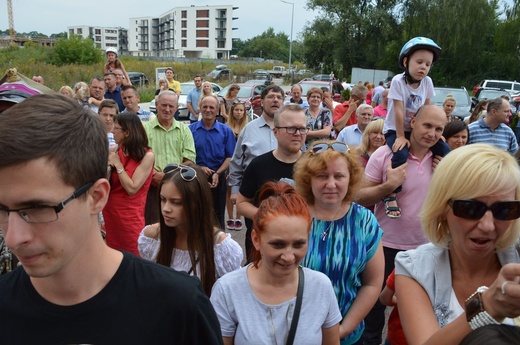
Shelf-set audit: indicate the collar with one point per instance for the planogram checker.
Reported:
(155, 123)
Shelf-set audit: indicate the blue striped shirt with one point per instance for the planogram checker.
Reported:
(502, 137)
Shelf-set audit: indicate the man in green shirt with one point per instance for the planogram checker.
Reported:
(171, 141)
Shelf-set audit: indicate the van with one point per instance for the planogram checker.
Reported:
(513, 87)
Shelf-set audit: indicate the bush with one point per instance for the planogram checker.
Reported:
(75, 51)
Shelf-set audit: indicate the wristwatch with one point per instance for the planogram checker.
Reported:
(476, 315)
(120, 171)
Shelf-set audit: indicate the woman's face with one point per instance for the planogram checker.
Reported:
(282, 244)
(119, 134)
(376, 140)
(330, 187)
(476, 238)
(448, 107)
(172, 208)
(458, 140)
(314, 99)
(111, 57)
(233, 93)
(207, 89)
(238, 112)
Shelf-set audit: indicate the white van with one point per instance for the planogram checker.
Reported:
(513, 87)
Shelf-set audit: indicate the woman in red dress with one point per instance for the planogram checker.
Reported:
(130, 177)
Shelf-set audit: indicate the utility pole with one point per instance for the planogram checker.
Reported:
(11, 20)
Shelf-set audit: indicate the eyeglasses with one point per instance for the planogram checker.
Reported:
(293, 130)
(272, 97)
(336, 146)
(118, 128)
(474, 209)
(42, 213)
(187, 173)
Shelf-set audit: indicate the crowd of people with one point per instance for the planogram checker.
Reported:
(118, 216)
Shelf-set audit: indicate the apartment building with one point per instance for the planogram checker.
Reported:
(103, 37)
(184, 32)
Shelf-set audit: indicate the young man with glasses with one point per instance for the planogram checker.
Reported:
(71, 287)
(402, 229)
(290, 132)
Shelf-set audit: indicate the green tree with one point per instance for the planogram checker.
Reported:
(75, 50)
(269, 45)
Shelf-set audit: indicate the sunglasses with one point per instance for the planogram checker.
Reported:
(336, 146)
(187, 173)
(473, 209)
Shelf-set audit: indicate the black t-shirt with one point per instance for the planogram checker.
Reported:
(144, 303)
(262, 169)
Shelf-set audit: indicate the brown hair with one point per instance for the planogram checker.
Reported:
(136, 144)
(231, 122)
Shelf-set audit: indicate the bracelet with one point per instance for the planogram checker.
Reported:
(120, 171)
(482, 319)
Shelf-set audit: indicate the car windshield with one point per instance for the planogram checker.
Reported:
(461, 96)
(186, 87)
(489, 94)
(307, 86)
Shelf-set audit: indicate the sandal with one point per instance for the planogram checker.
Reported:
(388, 209)
(230, 224)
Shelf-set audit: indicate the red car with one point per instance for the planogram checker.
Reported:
(248, 94)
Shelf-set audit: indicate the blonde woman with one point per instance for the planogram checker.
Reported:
(372, 139)
(448, 105)
(81, 93)
(163, 86)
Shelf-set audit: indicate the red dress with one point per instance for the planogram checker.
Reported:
(123, 213)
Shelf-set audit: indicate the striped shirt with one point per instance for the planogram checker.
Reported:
(502, 137)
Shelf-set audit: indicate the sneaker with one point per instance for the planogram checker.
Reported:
(238, 224)
(230, 224)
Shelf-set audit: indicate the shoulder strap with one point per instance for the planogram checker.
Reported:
(297, 307)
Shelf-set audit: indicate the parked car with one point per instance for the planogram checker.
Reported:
(303, 72)
(321, 77)
(262, 74)
(490, 94)
(221, 72)
(249, 94)
(463, 102)
(513, 87)
(258, 81)
(183, 108)
(335, 86)
(138, 78)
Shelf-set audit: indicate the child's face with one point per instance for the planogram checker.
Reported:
(111, 57)
(419, 63)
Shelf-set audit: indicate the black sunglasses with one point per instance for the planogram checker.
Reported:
(474, 209)
(336, 146)
(187, 173)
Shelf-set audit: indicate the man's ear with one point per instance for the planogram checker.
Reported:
(98, 195)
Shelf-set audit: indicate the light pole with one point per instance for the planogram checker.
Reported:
(290, 43)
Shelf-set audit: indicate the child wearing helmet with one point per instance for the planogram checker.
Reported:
(408, 92)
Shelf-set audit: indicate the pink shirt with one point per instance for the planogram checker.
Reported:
(405, 232)
(380, 111)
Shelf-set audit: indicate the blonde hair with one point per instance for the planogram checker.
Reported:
(202, 95)
(469, 172)
(310, 164)
(82, 89)
(375, 126)
(448, 98)
(232, 122)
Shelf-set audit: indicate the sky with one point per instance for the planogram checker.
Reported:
(54, 16)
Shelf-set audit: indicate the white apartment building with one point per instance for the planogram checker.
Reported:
(103, 37)
(190, 32)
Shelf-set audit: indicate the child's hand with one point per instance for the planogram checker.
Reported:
(400, 143)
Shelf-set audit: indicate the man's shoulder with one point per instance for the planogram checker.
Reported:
(262, 159)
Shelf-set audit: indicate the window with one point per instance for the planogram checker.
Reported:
(79, 31)
(184, 14)
(98, 38)
(202, 13)
(184, 34)
(203, 23)
(71, 31)
(98, 31)
(184, 44)
(184, 24)
(202, 44)
(203, 33)
(221, 44)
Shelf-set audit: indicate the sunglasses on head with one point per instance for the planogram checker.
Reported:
(187, 173)
(336, 146)
(474, 209)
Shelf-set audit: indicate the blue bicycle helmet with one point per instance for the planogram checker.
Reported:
(417, 43)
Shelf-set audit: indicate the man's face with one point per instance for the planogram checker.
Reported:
(51, 248)
(130, 100)
(110, 82)
(198, 82)
(169, 74)
(38, 79)
(119, 76)
(296, 94)
(209, 109)
(365, 117)
(97, 89)
(272, 102)
(107, 115)
(291, 143)
(384, 95)
(166, 107)
(427, 128)
(326, 96)
(502, 115)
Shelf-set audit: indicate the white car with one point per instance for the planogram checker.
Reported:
(183, 108)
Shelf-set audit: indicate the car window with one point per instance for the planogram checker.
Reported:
(258, 90)
(516, 86)
(461, 97)
(186, 87)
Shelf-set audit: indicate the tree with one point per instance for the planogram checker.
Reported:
(269, 45)
(75, 50)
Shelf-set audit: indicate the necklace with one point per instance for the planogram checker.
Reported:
(326, 231)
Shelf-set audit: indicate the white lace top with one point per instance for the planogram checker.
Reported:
(228, 254)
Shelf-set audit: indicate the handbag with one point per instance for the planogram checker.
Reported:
(297, 308)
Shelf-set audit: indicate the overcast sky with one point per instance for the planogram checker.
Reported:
(54, 16)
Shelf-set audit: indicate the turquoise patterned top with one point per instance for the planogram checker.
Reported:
(342, 252)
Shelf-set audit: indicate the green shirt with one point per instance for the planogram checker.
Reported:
(172, 145)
